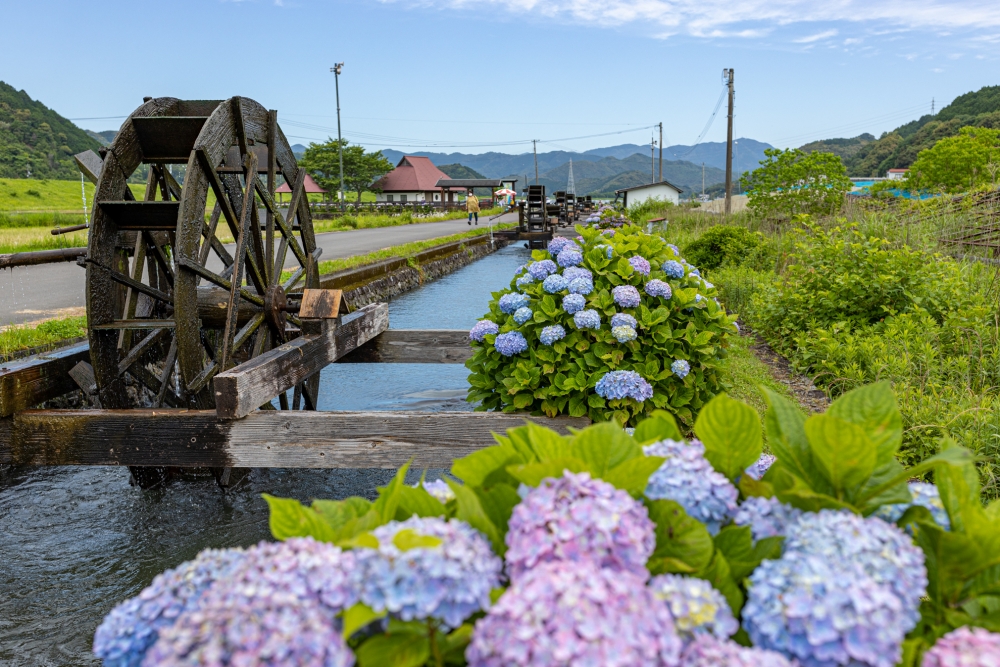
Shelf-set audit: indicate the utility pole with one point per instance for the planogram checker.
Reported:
(932, 106)
(534, 143)
(728, 74)
(661, 151)
(702, 178)
(652, 160)
(340, 142)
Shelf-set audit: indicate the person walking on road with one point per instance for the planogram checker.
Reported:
(472, 206)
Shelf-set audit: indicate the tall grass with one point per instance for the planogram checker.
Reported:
(17, 338)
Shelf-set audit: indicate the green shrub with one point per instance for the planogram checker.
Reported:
(723, 245)
(561, 378)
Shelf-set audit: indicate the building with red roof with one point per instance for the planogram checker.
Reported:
(414, 179)
(309, 185)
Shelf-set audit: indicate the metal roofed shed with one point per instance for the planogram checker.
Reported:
(664, 191)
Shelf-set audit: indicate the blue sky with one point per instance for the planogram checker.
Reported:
(479, 75)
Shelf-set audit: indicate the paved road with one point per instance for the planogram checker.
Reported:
(38, 292)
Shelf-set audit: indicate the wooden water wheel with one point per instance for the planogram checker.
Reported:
(169, 303)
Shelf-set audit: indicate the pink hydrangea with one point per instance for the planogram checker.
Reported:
(709, 651)
(965, 647)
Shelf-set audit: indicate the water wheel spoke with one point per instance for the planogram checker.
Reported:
(134, 284)
(139, 350)
(168, 369)
(248, 330)
(172, 185)
(286, 230)
(220, 281)
(160, 257)
(272, 166)
(203, 378)
(132, 296)
(279, 262)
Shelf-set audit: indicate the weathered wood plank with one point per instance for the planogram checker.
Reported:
(413, 346)
(241, 390)
(32, 380)
(265, 439)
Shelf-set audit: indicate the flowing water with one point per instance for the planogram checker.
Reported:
(74, 542)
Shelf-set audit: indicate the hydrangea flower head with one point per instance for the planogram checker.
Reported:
(551, 334)
(610, 233)
(659, 288)
(640, 264)
(693, 271)
(482, 329)
(539, 270)
(924, 495)
(586, 319)
(757, 469)
(696, 607)
(574, 303)
(709, 651)
(623, 320)
(437, 488)
(522, 315)
(557, 244)
(675, 249)
(510, 302)
(127, 633)
(680, 368)
(555, 283)
(687, 478)
(564, 613)
(626, 296)
(569, 256)
(574, 272)
(623, 384)
(767, 517)
(579, 519)
(510, 343)
(623, 334)
(581, 285)
(608, 250)
(448, 578)
(525, 280)
(965, 647)
(673, 269)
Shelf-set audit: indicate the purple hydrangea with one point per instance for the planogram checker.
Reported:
(522, 315)
(924, 495)
(586, 319)
(574, 272)
(640, 264)
(767, 517)
(557, 244)
(709, 651)
(696, 607)
(277, 607)
(608, 232)
(574, 303)
(510, 343)
(510, 302)
(437, 488)
(569, 256)
(525, 280)
(133, 626)
(965, 647)
(482, 329)
(623, 334)
(763, 463)
(616, 385)
(449, 578)
(680, 368)
(551, 334)
(674, 249)
(693, 271)
(581, 286)
(673, 269)
(555, 283)
(626, 296)
(539, 270)
(623, 320)
(562, 613)
(659, 288)
(687, 478)
(576, 518)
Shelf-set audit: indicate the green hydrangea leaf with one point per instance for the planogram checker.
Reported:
(730, 431)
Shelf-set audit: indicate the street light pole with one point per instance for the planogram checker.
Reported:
(340, 142)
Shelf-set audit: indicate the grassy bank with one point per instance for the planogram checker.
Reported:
(17, 337)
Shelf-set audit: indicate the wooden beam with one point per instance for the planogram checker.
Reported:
(241, 390)
(265, 439)
(32, 380)
(413, 346)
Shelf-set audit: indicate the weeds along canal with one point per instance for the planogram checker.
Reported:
(75, 541)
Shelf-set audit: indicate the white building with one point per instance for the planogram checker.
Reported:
(663, 191)
(896, 174)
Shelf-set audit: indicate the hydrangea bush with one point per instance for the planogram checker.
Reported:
(625, 303)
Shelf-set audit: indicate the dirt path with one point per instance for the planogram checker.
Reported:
(805, 392)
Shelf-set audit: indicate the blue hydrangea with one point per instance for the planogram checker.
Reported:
(586, 319)
(574, 272)
(574, 303)
(482, 329)
(674, 249)
(696, 606)
(522, 315)
(510, 302)
(557, 244)
(525, 280)
(554, 283)
(680, 368)
(687, 478)
(626, 296)
(659, 288)
(623, 334)
(449, 578)
(924, 495)
(437, 488)
(616, 385)
(581, 286)
(767, 517)
(539, 270)
(127, 633)
(673, 269)
(693, 271)
(510, 343)
(623, 320)
(763, 463)
(608, 250)
(570, 256)
(551, 334)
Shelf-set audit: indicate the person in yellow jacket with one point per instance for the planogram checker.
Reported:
(472, 206)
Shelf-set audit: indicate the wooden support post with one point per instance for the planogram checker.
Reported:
(413, 346)
(32, 380)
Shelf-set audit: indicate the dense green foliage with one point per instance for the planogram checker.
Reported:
(723, 246)
(361, 168)
(791, 182)
(959, 163)
(34, 138)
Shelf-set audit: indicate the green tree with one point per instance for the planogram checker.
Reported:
(361, 168)
(791, 182)
(958, 163)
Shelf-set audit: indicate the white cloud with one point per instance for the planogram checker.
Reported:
(826, 34)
